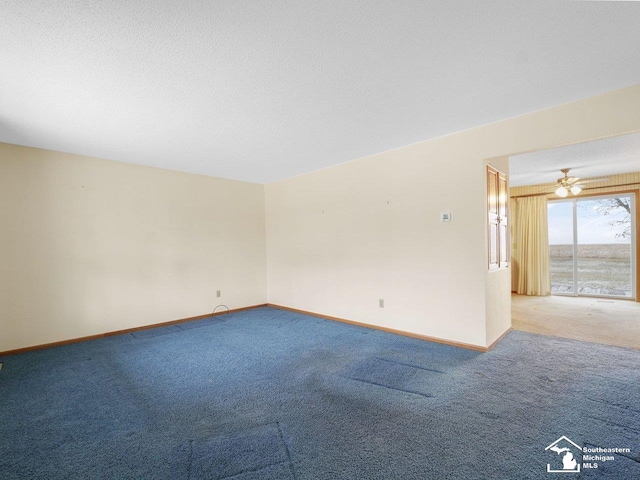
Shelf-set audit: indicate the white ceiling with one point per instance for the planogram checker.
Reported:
(599, 158)
(260, 91)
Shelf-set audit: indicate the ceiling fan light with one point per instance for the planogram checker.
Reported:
(576, 189)
(562, 192)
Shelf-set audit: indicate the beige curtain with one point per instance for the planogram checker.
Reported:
(532, 241)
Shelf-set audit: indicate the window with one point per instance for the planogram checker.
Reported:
(497, 216)
(592, 246)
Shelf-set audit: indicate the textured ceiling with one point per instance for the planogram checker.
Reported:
(260, 91)
(599, 158)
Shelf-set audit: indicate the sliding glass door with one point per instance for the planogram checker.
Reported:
(592, 246)
(561, 247)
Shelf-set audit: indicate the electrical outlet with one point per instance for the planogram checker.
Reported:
(381, 302)
(218, 293)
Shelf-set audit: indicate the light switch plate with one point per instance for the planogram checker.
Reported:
(446, 217)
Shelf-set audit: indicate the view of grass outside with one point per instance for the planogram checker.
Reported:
(603, 246)
(603, 269)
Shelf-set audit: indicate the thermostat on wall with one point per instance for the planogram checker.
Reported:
(446, 217)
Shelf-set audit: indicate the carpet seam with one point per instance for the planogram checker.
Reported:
(615, 424)
(190, 460)
(253, 470)
(604, 402)
(286, 448)
(409, 365)
(391, 388)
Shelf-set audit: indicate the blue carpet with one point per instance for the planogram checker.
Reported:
(257, 453)
(156, 332)
(272, 394)
(168, 329)
(394, 375)
(204, 322)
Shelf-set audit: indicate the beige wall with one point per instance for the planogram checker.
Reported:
(362, 249)
(89, 246)
(432, 275)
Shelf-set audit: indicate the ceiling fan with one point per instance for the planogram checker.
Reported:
(573, 185)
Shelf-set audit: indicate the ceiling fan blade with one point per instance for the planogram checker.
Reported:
(593, 180)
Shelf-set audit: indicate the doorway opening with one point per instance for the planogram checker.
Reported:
(592, 246)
